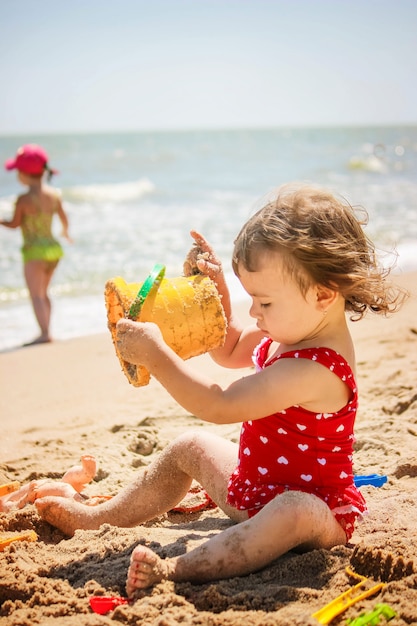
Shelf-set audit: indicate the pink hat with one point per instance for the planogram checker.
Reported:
(30, 159)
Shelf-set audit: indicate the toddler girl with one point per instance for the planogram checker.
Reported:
(305, 261)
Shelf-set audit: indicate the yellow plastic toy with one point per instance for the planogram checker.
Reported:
(9, 537)
(346, 599)
(9, 488)
(187, 310)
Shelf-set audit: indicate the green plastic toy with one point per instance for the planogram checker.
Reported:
(372, 618)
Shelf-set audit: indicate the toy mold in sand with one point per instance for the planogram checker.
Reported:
(187, 310)
(13, 496)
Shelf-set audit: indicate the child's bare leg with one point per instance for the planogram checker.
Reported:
(38, 275)
(292, 519)
(207, 458)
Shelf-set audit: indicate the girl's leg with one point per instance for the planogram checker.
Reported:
(207, 458)
(38, 275)
(292, 519)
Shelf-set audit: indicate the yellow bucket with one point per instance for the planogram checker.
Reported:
(187, 310)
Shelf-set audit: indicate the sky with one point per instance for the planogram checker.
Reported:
(114, 65)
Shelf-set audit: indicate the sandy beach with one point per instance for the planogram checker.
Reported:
(68, 398)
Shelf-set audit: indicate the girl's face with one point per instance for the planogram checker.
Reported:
(281, 310)
(23, 178)
(26, 179)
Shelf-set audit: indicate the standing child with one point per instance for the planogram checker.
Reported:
(304, 260)
(34, 211)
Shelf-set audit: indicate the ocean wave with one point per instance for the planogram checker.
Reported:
(369, 163)
(113, 192)
(406, 260)
(6, 206)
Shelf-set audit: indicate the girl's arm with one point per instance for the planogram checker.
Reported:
(283, 384)
(64, 220)
(16, 220)
(240, 341)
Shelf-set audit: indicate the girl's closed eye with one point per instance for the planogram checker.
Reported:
(265, 305)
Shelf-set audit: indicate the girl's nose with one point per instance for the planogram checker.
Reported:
(255, 311)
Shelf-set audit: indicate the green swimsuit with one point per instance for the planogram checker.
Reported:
(38, 242)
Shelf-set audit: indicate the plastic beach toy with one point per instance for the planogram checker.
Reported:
(197, 499)
(9, 537)
(372, 618)
(187, 310)
(346, 599)
(8, 488)
(104, 604)
(153, 280)
(371, 479)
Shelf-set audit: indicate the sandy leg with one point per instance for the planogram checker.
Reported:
(38, 275)
(207, 458)
(293, 519)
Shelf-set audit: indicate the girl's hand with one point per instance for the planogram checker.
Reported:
(201, 259)
(66, 235)
(138, 342)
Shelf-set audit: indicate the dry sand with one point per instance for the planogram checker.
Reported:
(64, 399)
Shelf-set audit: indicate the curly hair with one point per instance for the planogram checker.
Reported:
(321, 240)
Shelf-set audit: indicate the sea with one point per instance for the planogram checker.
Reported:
(132, 198)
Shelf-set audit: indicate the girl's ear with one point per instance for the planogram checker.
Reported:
(325, 297)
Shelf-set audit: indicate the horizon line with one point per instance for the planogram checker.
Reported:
(197, 129)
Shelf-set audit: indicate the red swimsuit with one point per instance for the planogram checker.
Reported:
(300, 450)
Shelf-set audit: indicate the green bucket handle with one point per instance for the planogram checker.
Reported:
(154, 279)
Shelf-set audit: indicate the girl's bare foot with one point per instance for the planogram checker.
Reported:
(66, 514)
(40, 339)
(146, 569)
